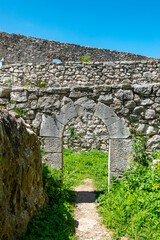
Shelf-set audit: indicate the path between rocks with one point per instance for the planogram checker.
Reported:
(87, 221)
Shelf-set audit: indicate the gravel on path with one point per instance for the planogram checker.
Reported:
(87, 221)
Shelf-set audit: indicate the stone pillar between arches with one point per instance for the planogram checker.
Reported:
(53, 152)
(119, 156)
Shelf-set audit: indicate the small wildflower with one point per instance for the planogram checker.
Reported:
(155, 186)
(129, 158)
(131, 162)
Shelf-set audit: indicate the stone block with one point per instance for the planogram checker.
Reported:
(146, 101)
(106, 114)
(5, 92)
(143, 89)
(130, 104)
(119, 156)
(67, 113)
(50, 127)
(21, 186)
(53, 145)
(158, 93)
(154, 143)
(53, 160)
(80, 101)
(84, 106)
(147, 74)
(48, 102)
(150, 114)
(66, 100)
(107, 99)
(118, 129)
(4, 101)
(35, 123)
(138, 110)
(19, 96)
(77, 94)
(124, 94)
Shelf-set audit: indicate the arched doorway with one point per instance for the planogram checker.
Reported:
(120, 142)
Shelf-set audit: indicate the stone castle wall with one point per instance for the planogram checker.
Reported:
(86, 105)
(18, 48)
(139, 104)
(79, 80)
(133, 103)
(70, 74)
(86, 133)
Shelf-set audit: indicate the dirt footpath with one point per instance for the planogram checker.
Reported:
(87, 220)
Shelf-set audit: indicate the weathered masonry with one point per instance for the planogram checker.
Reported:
(124, 95)
(50, 110)
(18, 48)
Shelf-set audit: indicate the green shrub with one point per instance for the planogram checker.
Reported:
(86, 58)
(139, 153)
(41, 84)
(73, 135)
(19, 111)
(132, 207)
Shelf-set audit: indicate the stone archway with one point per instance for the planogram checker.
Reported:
(120, 142)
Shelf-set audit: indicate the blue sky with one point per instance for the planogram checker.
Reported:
(124, 25)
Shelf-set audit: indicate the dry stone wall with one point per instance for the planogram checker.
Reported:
(71, 74)
(120, 107)
(106, 99)
(77, 80)
(18, 48)
(86, 133)
(50, 95)
(21, 188)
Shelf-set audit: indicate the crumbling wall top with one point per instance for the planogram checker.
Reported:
(16, 48)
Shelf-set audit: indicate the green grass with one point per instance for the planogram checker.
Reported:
(132, 207)
(78, 166)
(55, 220)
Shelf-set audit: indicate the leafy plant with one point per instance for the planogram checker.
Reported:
(72, 135)
(55, 220)
(19, 111)
(86, 58)
(41, 84)
(9, 83)
(132, 207)
(139, 153)
(27, 85)
(156, 154)
(42, 151)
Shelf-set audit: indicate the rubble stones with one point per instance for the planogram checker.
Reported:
(41, 50)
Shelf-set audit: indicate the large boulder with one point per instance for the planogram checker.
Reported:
(21, 188)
